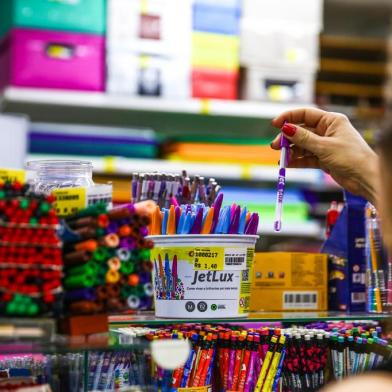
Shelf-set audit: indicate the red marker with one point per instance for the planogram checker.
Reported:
(226, 361)
(205, 347)
(237, 363)
(245, 363)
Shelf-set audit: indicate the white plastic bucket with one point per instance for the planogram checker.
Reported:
(202, 276)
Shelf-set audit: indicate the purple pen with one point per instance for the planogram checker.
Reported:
(217, 207)
(235, 221)
(284, 146)
(197, 225)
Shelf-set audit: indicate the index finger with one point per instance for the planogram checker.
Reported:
(310, 117)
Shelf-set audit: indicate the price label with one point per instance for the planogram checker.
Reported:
(12, 175)
(69, 200)
(212, 259)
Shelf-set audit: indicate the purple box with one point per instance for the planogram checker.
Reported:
(51, 59)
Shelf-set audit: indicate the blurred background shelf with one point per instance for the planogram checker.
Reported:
(169, 116)
(266, 110)
(124, 167)
(288, 317)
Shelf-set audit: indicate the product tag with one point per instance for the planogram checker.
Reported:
(12, 175)
(69, 200)
(212, 259)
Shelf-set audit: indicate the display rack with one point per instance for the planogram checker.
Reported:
(169, 117)
(249, 172)
(148, 318)
(107, 101)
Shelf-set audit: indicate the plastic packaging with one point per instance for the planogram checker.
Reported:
(54, 174)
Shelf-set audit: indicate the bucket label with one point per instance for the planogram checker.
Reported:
(209, 259)
(204, 281)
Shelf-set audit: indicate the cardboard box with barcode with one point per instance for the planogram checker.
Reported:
(284, 281)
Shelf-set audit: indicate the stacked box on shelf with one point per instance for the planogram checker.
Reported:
(352, 72)
(106, 258)
(53, 44)
(148, 47)
(218, 149)
(215, 48)
(75, 139)
(30, 253)
(280, 64)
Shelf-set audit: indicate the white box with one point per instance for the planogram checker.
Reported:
(279, 85)
(161, 27)
(133, 74)
(13, 140)
(285, 11)
(267, 45)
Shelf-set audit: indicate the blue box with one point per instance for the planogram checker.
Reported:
(347, 262)
(216, 18)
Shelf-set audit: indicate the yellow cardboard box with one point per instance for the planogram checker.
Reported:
(284, 281)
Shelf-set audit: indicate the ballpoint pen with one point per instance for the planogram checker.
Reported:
(284, 151)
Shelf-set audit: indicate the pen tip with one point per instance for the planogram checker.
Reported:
(278, 225)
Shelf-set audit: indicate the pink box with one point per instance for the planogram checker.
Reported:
(51, 59)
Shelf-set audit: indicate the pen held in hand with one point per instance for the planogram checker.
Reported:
(284, 155)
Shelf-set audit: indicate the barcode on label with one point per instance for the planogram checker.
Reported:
(357, 298)
(300, 299)
(234, 260)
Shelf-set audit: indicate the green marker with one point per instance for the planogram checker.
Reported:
(90, 268)
(79, 281)
(94, 210)
(101, 254)
(127, 268)
(45, 207)
(33, 221)
(24, 204)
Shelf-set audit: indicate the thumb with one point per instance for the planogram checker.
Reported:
(302, 137)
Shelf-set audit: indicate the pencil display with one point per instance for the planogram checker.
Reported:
(234, 358)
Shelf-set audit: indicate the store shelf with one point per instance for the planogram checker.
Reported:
(61, 344)
(127, 166)
(148, 318)
(307, 229)
(150, 104)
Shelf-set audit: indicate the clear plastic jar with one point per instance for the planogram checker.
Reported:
(47, 175)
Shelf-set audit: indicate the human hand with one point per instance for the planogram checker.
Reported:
(328, 141)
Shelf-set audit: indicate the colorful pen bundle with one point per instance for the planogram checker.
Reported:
(201, 219)
(106, 258)
(30, 252)
(45, 372)
(378, 266)
(352, 354)
(164, 188)
(119, 370)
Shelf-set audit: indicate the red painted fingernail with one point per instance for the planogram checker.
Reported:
(289, 129)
